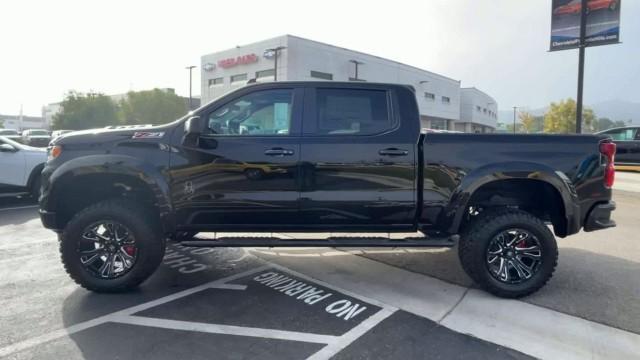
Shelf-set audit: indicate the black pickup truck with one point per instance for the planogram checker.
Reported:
(321, 157)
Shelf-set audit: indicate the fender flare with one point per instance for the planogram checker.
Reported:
(124, 165)
(508, 171)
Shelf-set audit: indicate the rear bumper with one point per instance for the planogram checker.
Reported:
(600, 217)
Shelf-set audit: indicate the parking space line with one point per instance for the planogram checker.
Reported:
(226, 329)
(56, 334)
(20, 207)
(352, 335)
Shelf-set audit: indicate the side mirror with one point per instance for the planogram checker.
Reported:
(7, 148)
(192, 131)
(193, 126)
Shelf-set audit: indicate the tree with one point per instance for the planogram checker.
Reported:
(151, 107)
(527, 122)
(85, 111)
(561, 118)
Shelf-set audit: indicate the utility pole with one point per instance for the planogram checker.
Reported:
(584, 10)
(276, 51)
(190, 68)
(515, 108)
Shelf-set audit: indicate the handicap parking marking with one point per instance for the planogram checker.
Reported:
(272, 299)
(332, 305)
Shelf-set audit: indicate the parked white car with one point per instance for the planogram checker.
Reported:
(20, 166)
(11, 134)
(36, 137)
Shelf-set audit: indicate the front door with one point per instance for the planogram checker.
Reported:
(358, 162)
(243, 173)
(12, 175)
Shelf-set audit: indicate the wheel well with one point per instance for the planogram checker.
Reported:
(82, 191)
(536, 197)
(37, 171)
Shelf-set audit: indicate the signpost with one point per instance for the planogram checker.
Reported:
(583, 23)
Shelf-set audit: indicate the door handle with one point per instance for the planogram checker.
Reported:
(278, 152)
(393, 152)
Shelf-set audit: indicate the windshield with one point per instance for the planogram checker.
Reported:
(39, 132)
(8, 132)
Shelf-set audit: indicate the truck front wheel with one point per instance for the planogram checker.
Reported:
(509, 253)
(111, 246)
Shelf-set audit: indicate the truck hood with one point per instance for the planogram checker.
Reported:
(95, 136)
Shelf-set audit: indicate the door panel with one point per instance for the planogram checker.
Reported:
(357, 171)
(244, 171)
(13, 167)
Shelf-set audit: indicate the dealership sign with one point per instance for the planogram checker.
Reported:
(240, 60)
(603, 23)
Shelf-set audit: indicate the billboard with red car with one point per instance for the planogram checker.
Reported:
(603, 23)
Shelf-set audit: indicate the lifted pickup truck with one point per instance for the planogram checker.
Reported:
(315, 157)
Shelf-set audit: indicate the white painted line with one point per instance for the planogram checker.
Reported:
(56, 334)
(352, 335)
(528, 328)
(20, 207)
(226, 329)
(538, 331)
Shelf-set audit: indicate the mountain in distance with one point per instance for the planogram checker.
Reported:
(612, 109)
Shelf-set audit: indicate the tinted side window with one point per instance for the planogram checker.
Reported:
(622, 134)
(352, 112)
(260, 113)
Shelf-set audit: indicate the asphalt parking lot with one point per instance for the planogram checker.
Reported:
(321, 303)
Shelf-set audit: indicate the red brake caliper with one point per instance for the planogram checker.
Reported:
(129, 249)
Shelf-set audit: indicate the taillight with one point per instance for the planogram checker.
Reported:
(608, 149)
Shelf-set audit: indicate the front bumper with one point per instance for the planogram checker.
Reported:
(48, 219)
(600, 217)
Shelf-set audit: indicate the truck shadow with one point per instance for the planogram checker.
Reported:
(14, 212)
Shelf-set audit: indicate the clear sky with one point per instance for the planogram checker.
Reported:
(499, 46)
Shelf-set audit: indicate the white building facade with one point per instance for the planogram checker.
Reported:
(478, 112)
(439, 97)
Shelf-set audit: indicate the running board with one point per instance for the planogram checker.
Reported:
(328, 242)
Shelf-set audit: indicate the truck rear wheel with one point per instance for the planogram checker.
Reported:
(509, 253)
(111, 246)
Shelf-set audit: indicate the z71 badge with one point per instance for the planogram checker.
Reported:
(147, 135)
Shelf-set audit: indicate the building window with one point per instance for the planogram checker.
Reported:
(430, 96)
(216, 81)
(352, 112)
(478, 108)
(321, 75)
(239, 77)
(446, 100)
(265, 73)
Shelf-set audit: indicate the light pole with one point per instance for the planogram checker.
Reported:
(515, 108)
(190, 68)
(356, 63)
(276, 52)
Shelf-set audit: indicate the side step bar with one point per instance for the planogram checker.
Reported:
(328, 242)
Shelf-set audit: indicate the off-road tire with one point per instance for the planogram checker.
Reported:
(149, 241)
(475, 240)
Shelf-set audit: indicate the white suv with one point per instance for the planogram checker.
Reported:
(21, 167)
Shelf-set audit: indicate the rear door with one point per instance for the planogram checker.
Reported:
(243, 172)
(13, 167)
(357, 159)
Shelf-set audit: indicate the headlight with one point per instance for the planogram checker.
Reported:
(53, 152)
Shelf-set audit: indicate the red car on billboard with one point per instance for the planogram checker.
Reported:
(575, 6)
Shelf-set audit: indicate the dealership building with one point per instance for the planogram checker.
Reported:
(443, 103)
